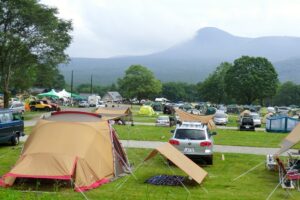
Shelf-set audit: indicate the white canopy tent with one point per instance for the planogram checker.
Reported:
(64, 93)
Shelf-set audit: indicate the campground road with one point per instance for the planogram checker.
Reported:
(217, 148)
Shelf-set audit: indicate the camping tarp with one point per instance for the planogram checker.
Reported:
(188, 117)
(289, 141)
(70, 146)
(52, 93)
(180, 160)
(115, 113)
(282, 124)
(64, 93)
(146, 110)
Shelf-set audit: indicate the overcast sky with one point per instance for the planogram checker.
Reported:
(107, 28)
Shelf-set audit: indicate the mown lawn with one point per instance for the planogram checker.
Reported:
(139, 132)
(257, 184)
(29, 115)
(223, 137)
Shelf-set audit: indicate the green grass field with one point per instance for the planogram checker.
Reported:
(257, 184)
(29, 115)
(223, 137)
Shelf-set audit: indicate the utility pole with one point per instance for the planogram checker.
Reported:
(72, 87)
(92, 84)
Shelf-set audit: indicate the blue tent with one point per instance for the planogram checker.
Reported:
(282, 124)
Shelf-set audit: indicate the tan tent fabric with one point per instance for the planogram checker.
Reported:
(245, 112)
(114, 113)
(83, 151)
(264, 120)
(292, 139)
(181, 161)
(205, 119)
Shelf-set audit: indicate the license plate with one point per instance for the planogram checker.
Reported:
(247, 126)
(188, 150)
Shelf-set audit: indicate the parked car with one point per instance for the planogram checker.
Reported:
(17, 107)
(283, 110)
(195, 141)
(11, 127)
(163, 120)
(220, 118)
(83, 104)
(256, 119)
(247, 123)
(100, 104)
(54, 106)
(39, 105)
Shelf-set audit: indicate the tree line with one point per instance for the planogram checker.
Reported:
(248, 80)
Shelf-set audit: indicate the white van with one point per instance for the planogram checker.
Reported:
(93, 100)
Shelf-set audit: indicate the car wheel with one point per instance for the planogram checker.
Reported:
(47, 109)
(209, 160)
(32, 108)
(15, 140)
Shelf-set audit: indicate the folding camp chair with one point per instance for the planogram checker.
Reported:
(288, 177)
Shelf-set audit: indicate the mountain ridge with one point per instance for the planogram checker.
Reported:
(192, 61)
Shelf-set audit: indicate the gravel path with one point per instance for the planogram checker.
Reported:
(217, 148)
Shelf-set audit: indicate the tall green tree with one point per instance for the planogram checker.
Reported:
(251, 78)
(174, 91)
(139, 82)
(48, 76)
(213, 87)
(288, 94)
(30, 34)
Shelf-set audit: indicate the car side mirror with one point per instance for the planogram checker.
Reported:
(172, 131)
(213, 133)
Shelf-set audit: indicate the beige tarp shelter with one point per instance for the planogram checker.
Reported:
(115, 113)
(181, 161)
(264, 120)
(292, 139)
(245, 113)
(73, 146)
(188, 117)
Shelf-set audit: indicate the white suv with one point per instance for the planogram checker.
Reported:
(195, 141)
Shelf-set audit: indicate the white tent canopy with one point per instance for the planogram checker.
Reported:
(64, 93)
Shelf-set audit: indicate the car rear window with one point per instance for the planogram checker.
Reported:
(192, 134)
(220, 115)
(247, 120)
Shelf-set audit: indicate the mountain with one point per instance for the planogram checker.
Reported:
(193, 60)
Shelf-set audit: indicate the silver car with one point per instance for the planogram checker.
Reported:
(195, 141)
(163, 121)
(17, 107)
(220, 118)
(256, 119)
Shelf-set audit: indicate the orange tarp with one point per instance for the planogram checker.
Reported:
(188, 117)
(181, 161)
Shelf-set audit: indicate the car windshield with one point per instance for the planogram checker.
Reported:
(220, 115)
(247, 120)
(255, 116)
(192, 134)
(163, 117)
